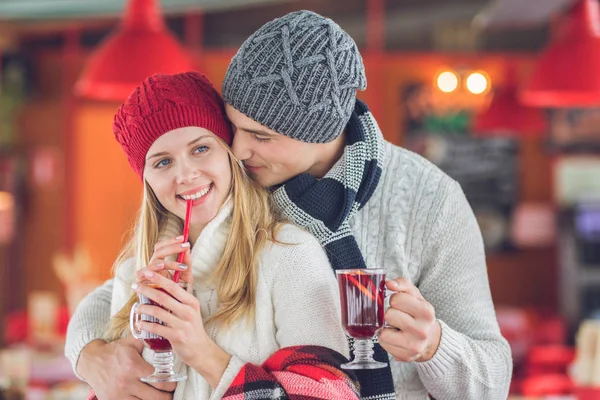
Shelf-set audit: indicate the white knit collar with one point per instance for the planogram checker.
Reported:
(210, 244)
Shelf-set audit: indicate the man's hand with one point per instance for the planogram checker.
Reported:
(114, 370)
(418, 333)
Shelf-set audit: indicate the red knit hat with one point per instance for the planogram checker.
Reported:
(163, 103)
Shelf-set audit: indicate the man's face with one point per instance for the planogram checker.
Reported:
(270, 158)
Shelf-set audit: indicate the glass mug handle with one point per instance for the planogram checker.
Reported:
(386, 305)
(134, 318)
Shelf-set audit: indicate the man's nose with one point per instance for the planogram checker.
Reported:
(241, 146)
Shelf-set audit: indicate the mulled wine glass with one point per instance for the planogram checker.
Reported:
(164, 358)
(362, 294)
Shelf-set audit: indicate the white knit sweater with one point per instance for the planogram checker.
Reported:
(292, 278)
(418, 224)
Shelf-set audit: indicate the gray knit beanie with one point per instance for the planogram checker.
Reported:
(298, 76)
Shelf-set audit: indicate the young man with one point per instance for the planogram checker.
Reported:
(291, 97)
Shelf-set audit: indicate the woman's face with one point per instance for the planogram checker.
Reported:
(189, 163)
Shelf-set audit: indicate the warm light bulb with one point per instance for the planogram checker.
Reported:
(447, 81)
(477, 83)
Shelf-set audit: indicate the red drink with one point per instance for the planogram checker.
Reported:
(362, 295)
(152, 340)
(164, 358)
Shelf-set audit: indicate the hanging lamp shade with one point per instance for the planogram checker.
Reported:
(506, 115)
(140, 47)
(567, 72)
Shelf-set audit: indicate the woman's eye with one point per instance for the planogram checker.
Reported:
(162, 163)
(201, 149)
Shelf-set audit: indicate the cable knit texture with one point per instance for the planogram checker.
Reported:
(283, 296)
(162, 103)
(418, 224)
(297, 75)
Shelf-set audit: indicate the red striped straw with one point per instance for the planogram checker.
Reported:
(186, 235)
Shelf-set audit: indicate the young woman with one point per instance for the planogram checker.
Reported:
(265, 303)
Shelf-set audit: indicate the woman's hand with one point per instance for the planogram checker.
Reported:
(160, 265)
(184, 326)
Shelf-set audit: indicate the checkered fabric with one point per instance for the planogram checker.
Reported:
(295, 373)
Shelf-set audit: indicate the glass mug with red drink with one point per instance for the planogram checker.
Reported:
(164, 358)
(362, 295)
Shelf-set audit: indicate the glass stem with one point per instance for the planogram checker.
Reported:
(164, 362)
(363, 350)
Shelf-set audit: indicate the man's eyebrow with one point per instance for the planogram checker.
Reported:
(256, 131)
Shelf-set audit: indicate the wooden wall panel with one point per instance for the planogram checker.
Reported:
(107, 191)
(40, 125)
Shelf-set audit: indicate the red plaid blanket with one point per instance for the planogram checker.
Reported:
(296, 373)
(293, 373)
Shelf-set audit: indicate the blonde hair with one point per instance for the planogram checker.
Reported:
(253, 224)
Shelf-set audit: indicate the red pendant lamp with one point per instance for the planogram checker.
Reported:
(506, 115)
(140, 47)
(567, 72)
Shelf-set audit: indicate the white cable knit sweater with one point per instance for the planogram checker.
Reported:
(291, 280)
(418, 224)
